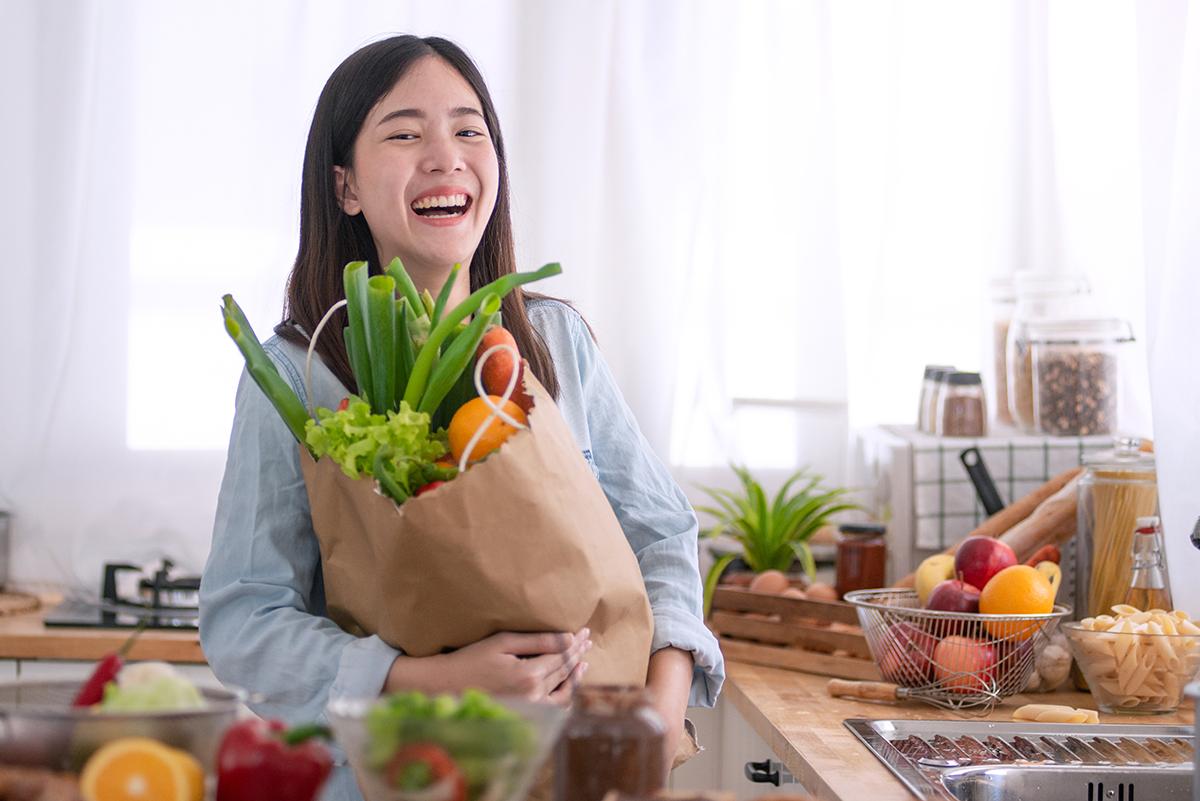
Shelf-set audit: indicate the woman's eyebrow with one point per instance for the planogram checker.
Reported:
(416, 113)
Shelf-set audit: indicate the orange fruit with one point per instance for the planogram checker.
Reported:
(141, 769)
(470, 418)
(1016, 590)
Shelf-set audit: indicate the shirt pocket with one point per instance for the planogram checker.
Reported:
(587, 455)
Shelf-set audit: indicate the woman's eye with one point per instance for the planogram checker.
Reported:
(469, 134)
(403, 136)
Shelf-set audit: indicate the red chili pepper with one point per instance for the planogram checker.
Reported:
(432, 485)
(422, 765)
(106, 670)
(344, 405)
(261, 759)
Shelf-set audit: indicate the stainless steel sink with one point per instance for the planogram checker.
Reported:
(985, 761)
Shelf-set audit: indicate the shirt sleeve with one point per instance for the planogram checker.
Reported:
(262, 602)
(657, 519)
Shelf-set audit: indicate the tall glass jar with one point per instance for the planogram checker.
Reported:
(613, 740)
(1077, 374)
(962, 410)
(1040, 296)
(1003, 302)
(1116, 488)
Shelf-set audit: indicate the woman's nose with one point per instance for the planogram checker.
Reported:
(441, 155)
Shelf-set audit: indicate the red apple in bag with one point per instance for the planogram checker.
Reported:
(980, 558)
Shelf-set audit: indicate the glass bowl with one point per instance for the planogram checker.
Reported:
(498, 759)
(1135, 673)
(40, 728)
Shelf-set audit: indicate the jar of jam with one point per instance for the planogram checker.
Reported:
(613, 740)
(861, 557)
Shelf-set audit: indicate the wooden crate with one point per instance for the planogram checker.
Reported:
(792, 633)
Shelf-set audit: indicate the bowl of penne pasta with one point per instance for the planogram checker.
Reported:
(1136, 662)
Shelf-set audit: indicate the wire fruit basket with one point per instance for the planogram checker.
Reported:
(956, 660)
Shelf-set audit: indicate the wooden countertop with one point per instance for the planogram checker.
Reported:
(800, 722)
(24, 636)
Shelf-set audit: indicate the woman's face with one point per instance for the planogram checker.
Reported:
(424, 172)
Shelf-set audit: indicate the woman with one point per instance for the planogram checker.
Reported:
(405, 158)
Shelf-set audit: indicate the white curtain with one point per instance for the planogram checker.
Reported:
(773, 214)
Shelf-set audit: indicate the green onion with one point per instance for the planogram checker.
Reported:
(264, 372)
(444, 296)
(501, 286)
(458, 356)
(381, 341)
(358, 339)
(404, 351)
(405, 284)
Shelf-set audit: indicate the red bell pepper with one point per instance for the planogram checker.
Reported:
(344, 405)
(430, 487)
(263, 759)
(421, 766)
(106, 670)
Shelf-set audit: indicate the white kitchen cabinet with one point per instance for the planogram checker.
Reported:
(729, 742)
(8, 669)
(51, 669)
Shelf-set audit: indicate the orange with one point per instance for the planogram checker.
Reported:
(1016, 590)
(141, 769)
(470, 417)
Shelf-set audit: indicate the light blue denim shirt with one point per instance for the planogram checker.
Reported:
(263, 623)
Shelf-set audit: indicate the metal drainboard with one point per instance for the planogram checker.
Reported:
(972, 761)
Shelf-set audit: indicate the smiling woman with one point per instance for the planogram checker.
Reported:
(405, 160)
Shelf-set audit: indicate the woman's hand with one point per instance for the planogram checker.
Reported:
(541, 667)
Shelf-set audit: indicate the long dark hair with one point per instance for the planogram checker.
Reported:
(329, 238)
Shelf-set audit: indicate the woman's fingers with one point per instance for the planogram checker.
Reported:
(550, 642)
(562, 694)
(554, 669)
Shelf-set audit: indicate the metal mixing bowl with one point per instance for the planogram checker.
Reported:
(40, 728)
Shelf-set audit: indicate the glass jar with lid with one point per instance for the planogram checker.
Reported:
(1040, 296)
(613, 740)
(962, 410)
(1003, 302)
(930, 386)
(1077, 374)
(1116, 488)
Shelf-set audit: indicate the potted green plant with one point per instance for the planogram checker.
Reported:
(774, 533)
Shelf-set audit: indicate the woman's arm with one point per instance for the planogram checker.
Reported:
(669, 680)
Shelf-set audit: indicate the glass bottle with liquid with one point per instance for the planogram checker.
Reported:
(1149, 586)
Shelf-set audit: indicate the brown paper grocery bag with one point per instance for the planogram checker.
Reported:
(523, 541)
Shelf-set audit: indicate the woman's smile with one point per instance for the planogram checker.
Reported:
(442, 206)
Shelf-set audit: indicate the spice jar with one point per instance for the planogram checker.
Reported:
(1076, 374)
(1003, 292)
(962, 411)
(613, 740)
(861, 557)
(930, 386)
(1040, 296)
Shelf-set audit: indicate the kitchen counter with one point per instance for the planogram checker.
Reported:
(24, 636)
(800, 722)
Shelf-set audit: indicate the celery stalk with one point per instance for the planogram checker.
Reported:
(264, 372)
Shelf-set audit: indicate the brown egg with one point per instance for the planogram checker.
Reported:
(771, 581)
(794, 592)
(740, 578)
(818, 591)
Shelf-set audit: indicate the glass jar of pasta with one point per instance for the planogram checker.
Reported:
(1116, 488)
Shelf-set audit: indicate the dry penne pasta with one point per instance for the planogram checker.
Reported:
(1055, 713)
(1138, 659)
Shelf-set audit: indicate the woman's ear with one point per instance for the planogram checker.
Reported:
(343, 184)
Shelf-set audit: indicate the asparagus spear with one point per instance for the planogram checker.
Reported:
(264, 372)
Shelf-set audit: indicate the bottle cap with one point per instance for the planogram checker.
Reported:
(1149, 521)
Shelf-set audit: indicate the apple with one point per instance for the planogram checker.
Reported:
(954, 595)
(931, 572)
(908, 660)
(964, 665)
(980, 558)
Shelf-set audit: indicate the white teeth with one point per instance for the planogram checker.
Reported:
(440, 201)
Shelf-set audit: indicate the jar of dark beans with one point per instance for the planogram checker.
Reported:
(962, 411)
(1076, 374)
